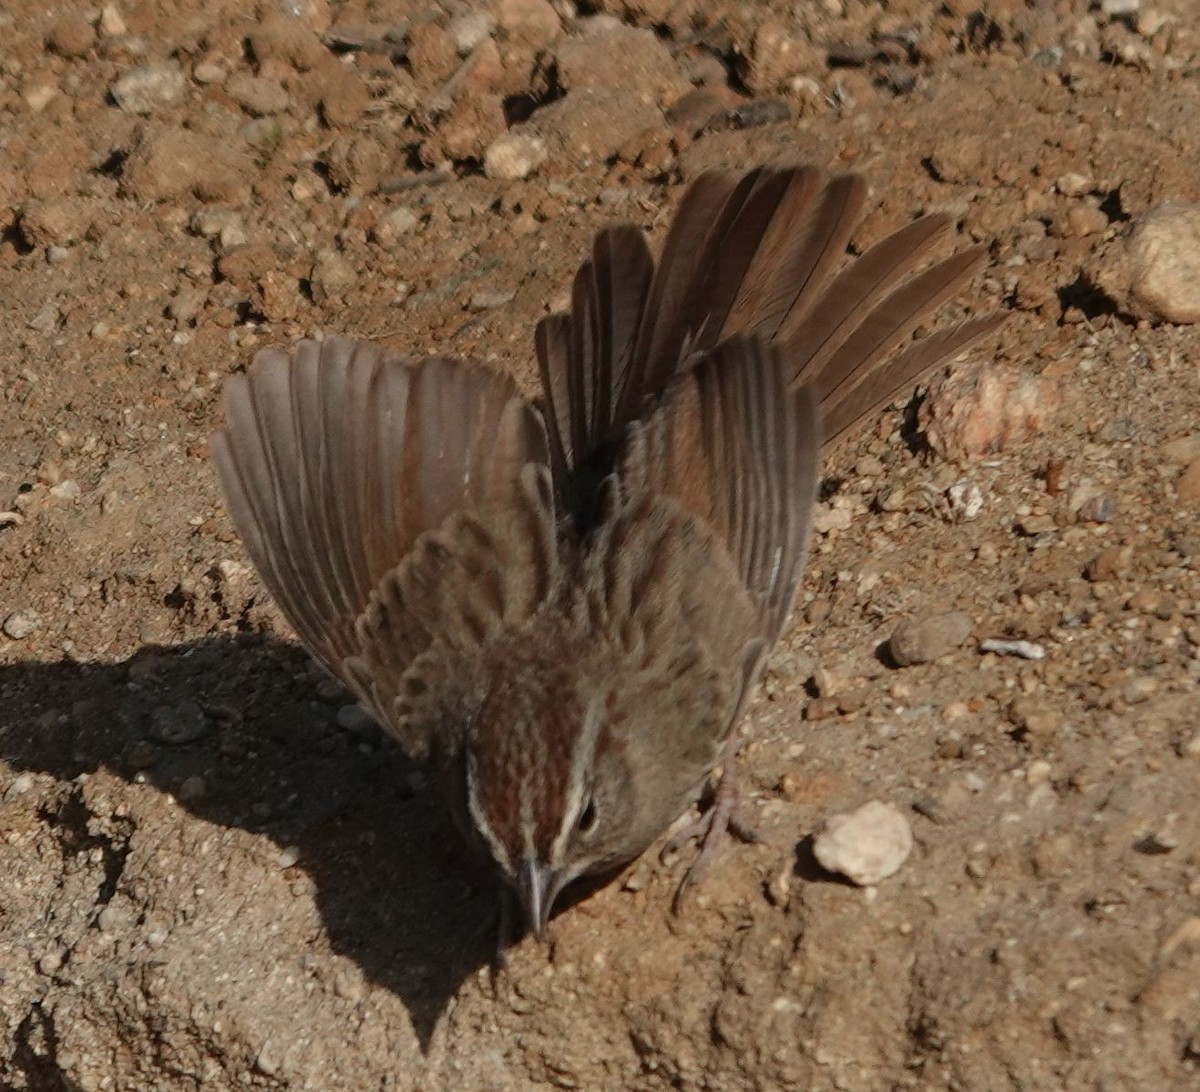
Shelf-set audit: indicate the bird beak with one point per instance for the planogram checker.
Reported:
(537, 887)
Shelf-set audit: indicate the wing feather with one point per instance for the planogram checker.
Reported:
(760, 254)
(737, 450)
(350, 473)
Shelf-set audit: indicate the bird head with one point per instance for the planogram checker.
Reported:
(548, 791)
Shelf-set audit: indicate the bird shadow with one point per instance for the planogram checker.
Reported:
(244, 733)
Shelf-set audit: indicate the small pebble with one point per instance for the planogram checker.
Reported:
(349, 985)
(116, 916)
(867, 845)
(920, 640)
(257, 95)
(47, 318)
(39, 96)
(1187, 488)
(1110, 564)
(636, 880)
(1164, 262)
(111, 24)
(177, 724)
(777, 52)
(392, 224)
(144, 89)
(1026, 650)
(1034, 525)
(1140, 689)
(288, 856)
(512, 156)
(1099, 508)
(828, 683)
(966, 500)
(831, 517)
(1188, 933)
(1085, 220)
(66, 490)
(821, 709)
(216, 222)
(1156, 843)
(71, 36)
(193, 788)
(760, 112)
(354, 718)
(971, 412)
(20, 785)
(1182, 450)
(489, 301)
(143, 754)
(1038, 772)
(21, 624)
(1032, 719)
(332, 276)
(468, 28)
(208, 72)
(1074, 184)
(263, 132)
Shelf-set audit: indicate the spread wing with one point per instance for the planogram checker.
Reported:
(756, 253)
(391, 507)
(737, 449)
(696, 559)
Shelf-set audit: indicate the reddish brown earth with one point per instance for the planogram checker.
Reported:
(206, 881)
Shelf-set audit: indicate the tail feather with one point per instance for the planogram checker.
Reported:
(758, 254)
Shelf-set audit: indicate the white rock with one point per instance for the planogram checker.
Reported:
(216, 222)
(1164, 259)
(289, 856)
(1183, 450)
(231, 571)
(66, 490)
(39, 96)
(1026, 650)
(513, 155)
(831, 516)
(21, 623)
(144, 89)
(468, 29)
(394, 223)
(866, 845)
(966, 499)
(111, 24)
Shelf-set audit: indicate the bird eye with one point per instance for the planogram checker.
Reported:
(587, 817)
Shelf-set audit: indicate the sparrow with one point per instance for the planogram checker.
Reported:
(563, 605)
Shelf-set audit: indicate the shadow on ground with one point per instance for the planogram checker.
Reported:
(248, 716)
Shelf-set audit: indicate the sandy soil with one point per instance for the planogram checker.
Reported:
(213, 876)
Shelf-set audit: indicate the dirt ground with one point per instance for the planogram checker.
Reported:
(213, 876)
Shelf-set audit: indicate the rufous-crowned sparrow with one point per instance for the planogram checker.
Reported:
(562, 605)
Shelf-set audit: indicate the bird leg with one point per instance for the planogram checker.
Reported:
(721, 816)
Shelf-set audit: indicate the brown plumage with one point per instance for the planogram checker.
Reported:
(563, 606)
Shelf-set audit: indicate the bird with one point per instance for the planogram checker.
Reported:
(562, 604)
